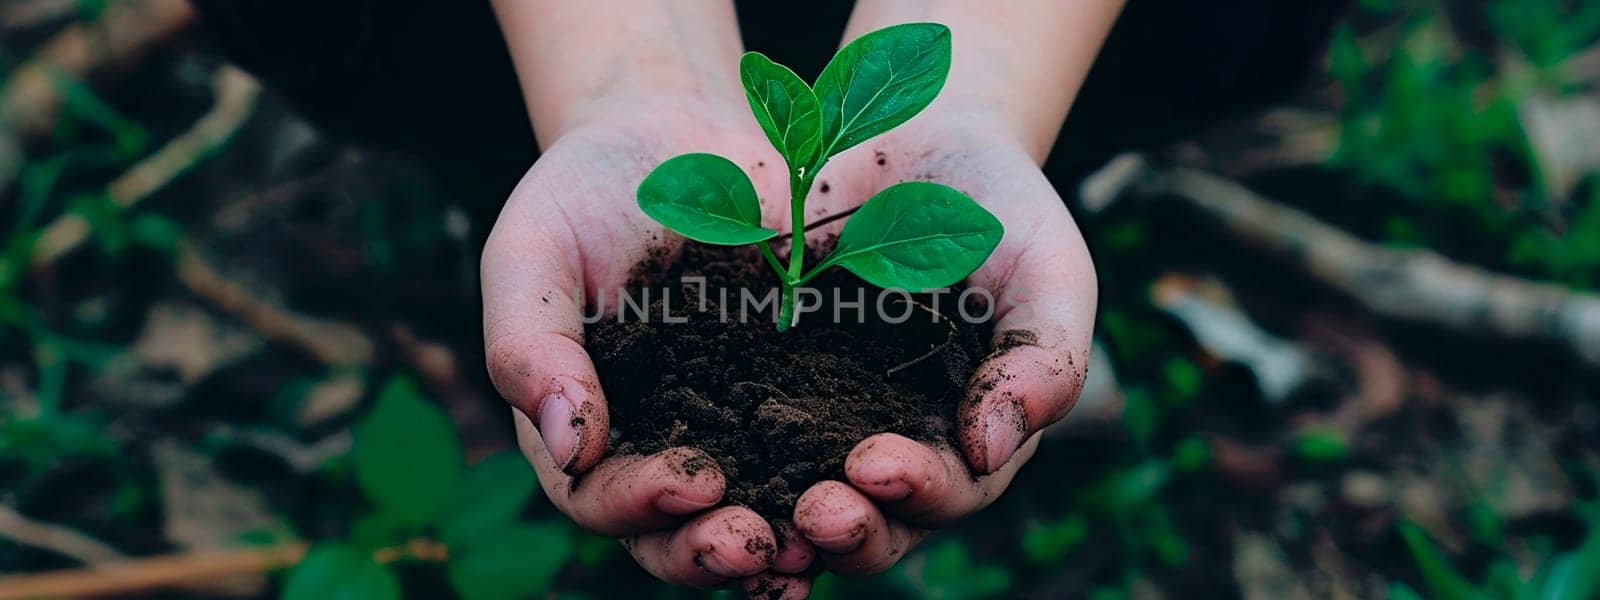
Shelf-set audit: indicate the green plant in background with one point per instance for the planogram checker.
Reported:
(1547, 32)
(912, 235)
(1438, 122)
(1425, 122)
(428, 508)
(1571, 574)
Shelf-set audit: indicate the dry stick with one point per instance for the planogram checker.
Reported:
(330, 342)
(146, 574)
(60, 540)
(936, 349)
(189, 569)
(22, 14)
(1410, 284)
(236, 95)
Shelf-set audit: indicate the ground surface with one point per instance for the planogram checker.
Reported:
(185, 375)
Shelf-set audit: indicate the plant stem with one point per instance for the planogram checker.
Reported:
(799, 186)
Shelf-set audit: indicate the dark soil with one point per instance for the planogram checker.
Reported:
(778, 411)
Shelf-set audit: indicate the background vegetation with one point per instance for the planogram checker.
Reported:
(230, 343)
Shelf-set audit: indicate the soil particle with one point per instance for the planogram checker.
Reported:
(824, 187)
(769, 589)
(760, 547)
(1013, 338)
(776, 412)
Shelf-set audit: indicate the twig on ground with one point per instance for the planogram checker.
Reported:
(188, 570)
(236, 95)
(1410, 284)
(146, 574)
(22, 14)
(330, 342)
(302, 457)
(936, 349)
(60, 540)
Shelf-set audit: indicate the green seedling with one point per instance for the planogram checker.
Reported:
(912, 235)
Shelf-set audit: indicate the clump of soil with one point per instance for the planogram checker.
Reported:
(778, 411)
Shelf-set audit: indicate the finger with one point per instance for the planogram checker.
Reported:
(626, 495)
(719, 547)
(1045, 309)
(851, 535)
(773, 586)
(533, 336)
(923, 485)
(795, 553)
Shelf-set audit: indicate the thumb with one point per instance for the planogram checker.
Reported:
(1042, 338)
(533, 337)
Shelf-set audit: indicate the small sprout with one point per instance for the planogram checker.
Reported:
(911, 235)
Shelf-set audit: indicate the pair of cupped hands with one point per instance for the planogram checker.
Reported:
(572, 224)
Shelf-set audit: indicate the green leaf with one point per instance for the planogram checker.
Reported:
(1576, 574)
(490, 495)
(516, 561)
(916, 235)
(1320, 445)
(376, 530)
(1051, 543)
(1443, 580)
(706, 198)
(1401, 591)
(881, 80)
(334, 572)
(156, 231)
(785, 107)
(406, 455)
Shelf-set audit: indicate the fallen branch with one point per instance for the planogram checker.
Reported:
(189, 570)
(146, 574)
(1409, 284)
(330, 342)
(22, 14)
(60, 540)
(236, 95)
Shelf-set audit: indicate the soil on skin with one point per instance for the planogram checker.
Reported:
(778, 411)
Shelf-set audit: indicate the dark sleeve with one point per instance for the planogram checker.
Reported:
(433, 77)
(429, 77)
(1171, 67)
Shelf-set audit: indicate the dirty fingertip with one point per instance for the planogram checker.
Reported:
(769, 586)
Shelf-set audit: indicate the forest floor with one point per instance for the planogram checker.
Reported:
(1347, 346)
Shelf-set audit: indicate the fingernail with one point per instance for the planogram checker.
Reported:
(893, 490)
(715, 564)
(555, 427)
(843, 543)
(671, 503)
(1003, 428)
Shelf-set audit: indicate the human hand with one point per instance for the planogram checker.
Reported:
(572, 226)
(895, 489)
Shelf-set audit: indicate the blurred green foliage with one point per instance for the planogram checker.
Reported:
(1556, 575)
(1433, 125)
(1429, 129)
(408, 464)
